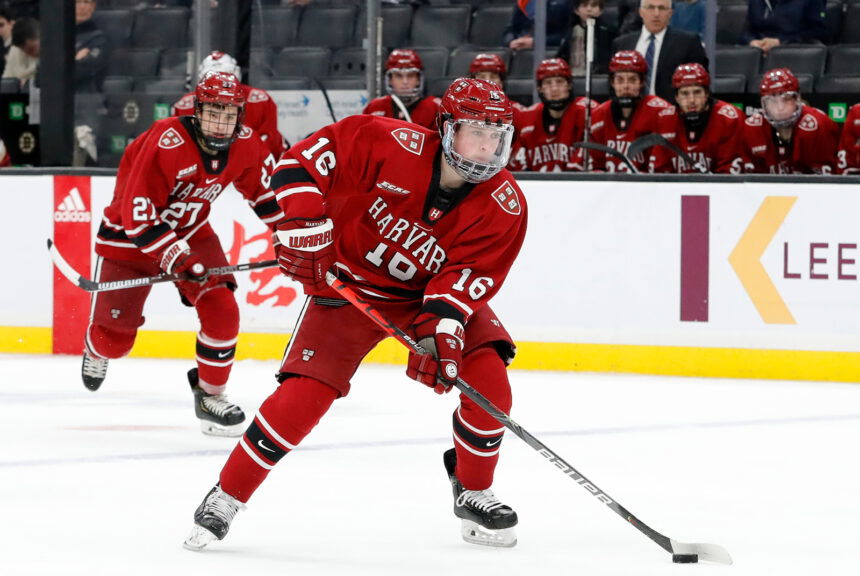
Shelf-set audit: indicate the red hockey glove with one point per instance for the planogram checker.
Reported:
(443, 339)
(305, 250)
(179, 258)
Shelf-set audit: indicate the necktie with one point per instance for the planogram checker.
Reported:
(649, 59)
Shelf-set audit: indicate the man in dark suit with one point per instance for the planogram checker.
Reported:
(663, 48)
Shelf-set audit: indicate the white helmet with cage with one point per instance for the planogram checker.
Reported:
(219, 62)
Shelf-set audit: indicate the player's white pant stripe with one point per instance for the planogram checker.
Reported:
(462, 306)
(478, 430)
(274, 434)
(265, 197)
(286, 162)
(473, 451)
(128, 244)
(298, 190)
(253, 456)
(168, 239)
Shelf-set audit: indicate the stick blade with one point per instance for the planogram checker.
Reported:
(708, 552)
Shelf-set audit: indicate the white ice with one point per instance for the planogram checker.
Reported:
(107, 482)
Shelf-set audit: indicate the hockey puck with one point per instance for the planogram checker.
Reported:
(685, 558)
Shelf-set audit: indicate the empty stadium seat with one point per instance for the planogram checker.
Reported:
(437, 86)
(343, 83)
(521, 65)
(461, 58)
(160, 28)
(118, 84)
(349, 62)
(396, 24)
(850, 24)
(599, 86)
(833, 20)
(174, 63)
(844, 59)
(310, 61)
(488, 25)
(117, 26)
(260, 64)
(520, 89)
(276, 27)
(729, 84)
(800, 59)
(731, 19)
(744, 60)
(838, 84)
(9, 85)
(329, 26)
(435, 60)
(445, 26)
(161, 86)
(133, 62)
(294, 83)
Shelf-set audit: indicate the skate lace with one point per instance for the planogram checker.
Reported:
(483, 500)
(218, 404)
(95, 367)
(223, 505)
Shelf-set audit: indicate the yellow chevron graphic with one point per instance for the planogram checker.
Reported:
(746, 259)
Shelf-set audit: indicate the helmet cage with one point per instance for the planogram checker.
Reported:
(781, 122)
(475, 171)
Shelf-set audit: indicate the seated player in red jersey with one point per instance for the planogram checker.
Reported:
(548, 129)
(158, 221)
(425, 225)
(404, 82)
(261, 112)
(628, 114)
(707, 130)
(491, 68)
(848, 154)
(787, 136)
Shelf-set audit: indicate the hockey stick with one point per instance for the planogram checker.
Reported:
(607, 150)
(650, 140)
(589, 61)
(92, 286)
(682, 552)
(402, 107)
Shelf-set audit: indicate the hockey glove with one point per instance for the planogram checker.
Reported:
(178, 258)
(443, 339)
(305, 250)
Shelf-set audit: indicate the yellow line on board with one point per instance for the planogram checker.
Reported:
(613, 358)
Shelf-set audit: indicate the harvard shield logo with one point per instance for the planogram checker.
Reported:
(170, 139)
(410, 140)
(506, 196)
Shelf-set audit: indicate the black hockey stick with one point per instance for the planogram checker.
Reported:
(92, 286)
(607, 150)
(649, 140)
(682, 552)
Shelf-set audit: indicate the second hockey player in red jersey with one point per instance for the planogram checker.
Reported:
(788, 137)
(404, 82)
(708, 130)
(848, 155)
(261, 112)
(158, 220)
(424, 225)
(628, 115)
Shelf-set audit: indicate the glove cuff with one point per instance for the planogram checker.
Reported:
(314, 236)
(172, 253)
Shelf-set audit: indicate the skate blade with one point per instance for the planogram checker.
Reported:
(212, 429)
(474, 533)
(199, 538)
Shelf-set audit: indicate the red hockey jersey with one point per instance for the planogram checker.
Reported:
(538, 150)
(423, 112)
(719, 148)
(378, 180)
(261, 115)
(812, 149)
(618, 135)
(848, 154)
(165, 187)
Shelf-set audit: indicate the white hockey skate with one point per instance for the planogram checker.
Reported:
(485, 520)
(212, 519)
(218, 416)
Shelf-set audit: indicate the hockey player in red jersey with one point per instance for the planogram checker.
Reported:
(788, 137)
(548, 129)
(708, 130)
(848, 154)
(628, 115)
(158, 221)
(491, 68)
(261, 112)
(404, 82)
(424, 225)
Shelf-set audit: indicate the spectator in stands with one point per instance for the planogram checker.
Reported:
(771, 23)
(91, 59)
(572, 48)
(689, 15)
(5, 36)
(261, 112)
(23, 58)
(404, 82)
(788, 137)
(848, 154)
(519, 34)
(664, 48)
(707, 130)
(549, 129)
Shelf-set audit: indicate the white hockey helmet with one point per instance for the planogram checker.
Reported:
(219, 62)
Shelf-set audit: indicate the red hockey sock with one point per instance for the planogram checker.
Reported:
(216, 341)
(284, 419)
